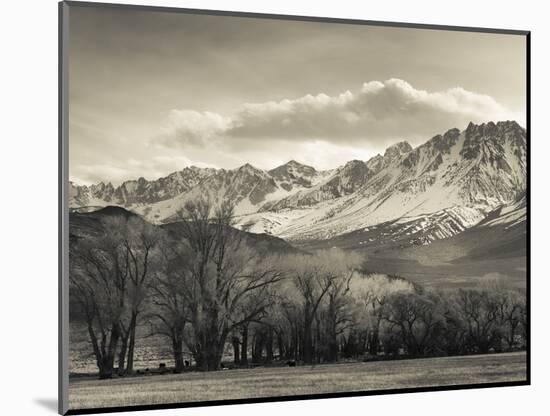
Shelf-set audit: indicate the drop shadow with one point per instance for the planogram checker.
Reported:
(48, 404)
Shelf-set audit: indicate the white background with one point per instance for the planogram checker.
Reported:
(28, 205)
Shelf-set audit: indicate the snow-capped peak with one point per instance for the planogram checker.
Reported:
(470, 172)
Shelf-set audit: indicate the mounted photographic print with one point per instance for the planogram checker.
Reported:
(265, 208)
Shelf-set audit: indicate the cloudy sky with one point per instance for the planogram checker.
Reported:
(151, 93)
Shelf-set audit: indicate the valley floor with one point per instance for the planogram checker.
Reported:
(286, 381)
(453, 275)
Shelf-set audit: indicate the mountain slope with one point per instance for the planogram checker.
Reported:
(440, 235)
(495, 248)
(294, 175)
(140, 191)
(423, 194)
(478, 169)
(95, 223)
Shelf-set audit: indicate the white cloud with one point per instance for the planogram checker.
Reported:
(321, 130)
(193, 127)
(379, 111)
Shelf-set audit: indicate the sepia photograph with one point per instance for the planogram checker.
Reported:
(267, 207)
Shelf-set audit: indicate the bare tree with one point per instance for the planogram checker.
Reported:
(140, 240)
(312, 285)
(372, 292)
(337, 311)
(98, 284)
(454, 339)
(222, 275)
(417, 319)
(479, 310)
(509, 305)
(313, 277)
(290, 323)
(169, 314)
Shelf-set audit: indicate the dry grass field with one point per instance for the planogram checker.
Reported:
(285, 381)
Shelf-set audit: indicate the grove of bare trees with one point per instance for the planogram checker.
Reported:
(201, 289)
(109, 283)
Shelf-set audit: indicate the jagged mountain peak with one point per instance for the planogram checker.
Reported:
(293, 165)
(294, 175)
(375, 163)
(459, 174)
(350, 177)
(397, 150)
(247, 170)
(435, 177)
(354, 170)
(491, 129)
(138, 191)
(353, 163)
(488, 143)
(247, 167)
(443, 143)
(104, 185)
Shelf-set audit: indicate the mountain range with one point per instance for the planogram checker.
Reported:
(434, 191)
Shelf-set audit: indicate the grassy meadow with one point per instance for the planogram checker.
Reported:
(285, 381)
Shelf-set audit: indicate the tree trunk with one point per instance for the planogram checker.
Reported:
(280, 345)
(291, 351)
(106, 367)
(210, 352)
(212, 357)
(106, 359)
(122, 355)
(374, 342)
(307, 349)
(197, 354)
(298, 346)
(177, 345)
(257, 347)
(244, 345)
(236, 353)
(212, 340)
(269, 345)
(332, 353)
(317, 344)
(131, 344)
